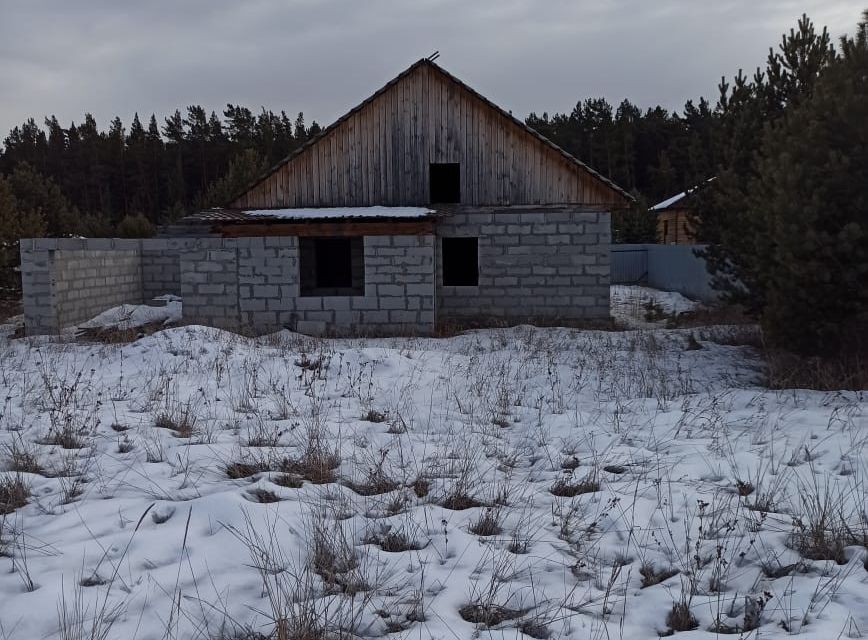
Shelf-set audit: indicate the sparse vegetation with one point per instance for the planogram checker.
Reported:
(623, 460)
(13, 493)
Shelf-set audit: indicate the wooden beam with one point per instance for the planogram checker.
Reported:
(325, 229)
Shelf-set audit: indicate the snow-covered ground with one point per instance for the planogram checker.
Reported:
(502, 483)
(635, 306)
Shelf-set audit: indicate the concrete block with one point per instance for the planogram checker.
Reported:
(266, 291)
(308, 303)
(393, 303)
(403, 317)
(391, 290)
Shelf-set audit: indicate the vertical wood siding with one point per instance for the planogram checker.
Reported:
(379, 155)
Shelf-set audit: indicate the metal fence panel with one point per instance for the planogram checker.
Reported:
(670, 267)
(629, 263)
(676, 267)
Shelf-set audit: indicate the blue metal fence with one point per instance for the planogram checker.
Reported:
(629, 263)
(673, 267)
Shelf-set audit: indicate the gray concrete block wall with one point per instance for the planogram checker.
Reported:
(209, 283)
(69, 280)
(37, 283)
(161, 265)
(89, 281)
(253, 284)
(534, 265)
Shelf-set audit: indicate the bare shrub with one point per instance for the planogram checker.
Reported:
(488, 523)
(375, 416)
(22, 457)
(421, 486)
(789, 371)
(466, 477)
(262, 434)
(333, 558)
(287, 480)
(178, 417)
(744, 488)
(567, 487)
(125, 445)
(263, 496)
(377, 480)
(680, 618)
(822, 521)
(316, 465)
(14, 493)
(488, 615)
(395, 539)
(317, 461)
(298, 607)
(488, 606)
(244, 469)
(651, 575)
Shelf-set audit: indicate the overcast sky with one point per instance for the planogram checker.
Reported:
(115, 57)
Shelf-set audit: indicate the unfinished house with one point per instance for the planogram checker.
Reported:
(425, 203)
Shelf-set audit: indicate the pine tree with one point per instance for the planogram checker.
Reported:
(243, 170)
(812, 188)
(15, 223)
(740, 241)
(39, 198)
(137, 226)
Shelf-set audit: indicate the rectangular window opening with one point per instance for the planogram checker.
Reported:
(461, 262)
(445, 182)
(332, 266)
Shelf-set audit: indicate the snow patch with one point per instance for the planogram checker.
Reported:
(128, 316)
(630, 305)
(341, 212)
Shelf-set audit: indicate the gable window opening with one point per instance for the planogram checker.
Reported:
(461, 262)
(444, 179)
(332, 266)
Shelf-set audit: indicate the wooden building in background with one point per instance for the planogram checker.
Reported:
(674, 216)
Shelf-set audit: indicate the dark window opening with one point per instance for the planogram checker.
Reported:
(332, 266)
(460, 262)
(665, 231)
(445, 182)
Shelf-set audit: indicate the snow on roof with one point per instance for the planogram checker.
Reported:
(341, 212)
(660, 206)
(668, 202)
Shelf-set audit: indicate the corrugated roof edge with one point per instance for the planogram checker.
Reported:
(242, 215)
(425, 61)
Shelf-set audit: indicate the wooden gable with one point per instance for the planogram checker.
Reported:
(379, 154)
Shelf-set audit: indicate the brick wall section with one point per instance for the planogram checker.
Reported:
(209, 284)
(533, 265)
(69, 280)
(89, 281)
(37, 283)
(161, 265)
(253, 284)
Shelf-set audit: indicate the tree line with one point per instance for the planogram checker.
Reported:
(157, 171)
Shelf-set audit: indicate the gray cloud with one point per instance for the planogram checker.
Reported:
(114, 57)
